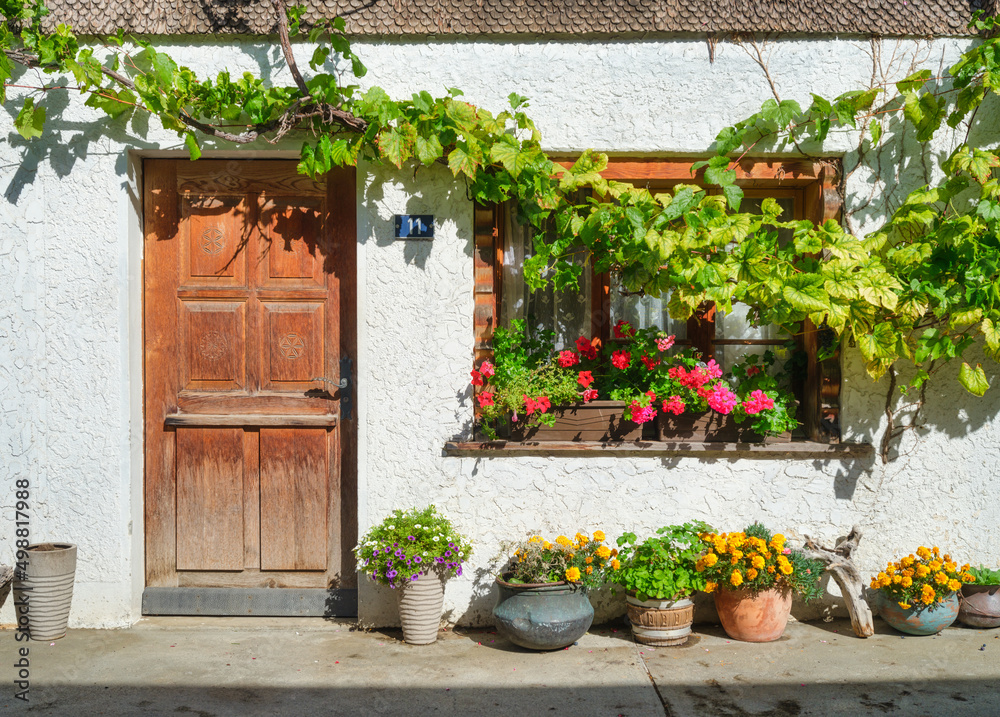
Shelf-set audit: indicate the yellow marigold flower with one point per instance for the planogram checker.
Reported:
(897, 579)
(923, 552)
(906, 581)
(604, 552)
(535, 539)
(890, 569)
(786, 569)
(908, 572)
(881, 577)
(905, 605)
(968, 577)
(953, 567)
(563, 541)
(907, 561)
(710, 586)
(923, 571)
(873, 584)
(751, 573)
(615, 565)
(736, 578)
(572, 574)
(738, 554)
(589, 570)
(927, 594)
(770, 568)
(588, 560)
(778, 542)
(710, 559)
(935, 565)
(547, 545)
(757, 561)
(965, 568)
(940, 578)
(734, 560)
(885, 582)
(935, 551)
(582, 538)
(571, 555)
(599, 536)
(954, 585)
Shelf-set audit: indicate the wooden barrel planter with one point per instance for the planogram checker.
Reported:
(660, 622)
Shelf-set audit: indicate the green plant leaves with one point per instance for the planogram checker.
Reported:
(30, 120)
(973, 379)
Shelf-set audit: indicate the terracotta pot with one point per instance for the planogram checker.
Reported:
(919, 620)
(711, 427)
(750, 618)
(980, 606)
(594, 421)
(660, 622)
(420, 604)
(47, 587)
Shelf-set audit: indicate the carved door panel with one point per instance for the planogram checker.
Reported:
(248, 300)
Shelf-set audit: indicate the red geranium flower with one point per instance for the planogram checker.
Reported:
(624, 330)
(650, 363)
(477, 378)
(485, 399)
(586, 348)
(589, 395)
(567, 359)
(621, 359)
(585, 378)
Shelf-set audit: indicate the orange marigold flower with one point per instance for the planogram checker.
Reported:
(786, 569)
(906, 581)
(604, 552)
(757, 561)
(615, 565)
(563, 541)
(907, 561)
(935, 565)
(572, 574)
(940, 578)
(736, 579)
(905, 605)
(588, 560)
(923, 552)
(599, 536)
(954, 585)
(710, 559)
(589, 570)
(751, 573)
(923, 571)
(710, 586)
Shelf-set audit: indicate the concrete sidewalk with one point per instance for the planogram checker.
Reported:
(239, 666)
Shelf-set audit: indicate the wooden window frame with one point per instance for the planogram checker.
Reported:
(814, 184)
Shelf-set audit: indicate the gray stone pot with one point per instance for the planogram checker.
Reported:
(47, 588)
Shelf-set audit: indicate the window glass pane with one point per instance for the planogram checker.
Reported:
(567, 313)
(737, 324)
(644, 311)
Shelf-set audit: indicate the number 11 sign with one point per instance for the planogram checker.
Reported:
(414, 226)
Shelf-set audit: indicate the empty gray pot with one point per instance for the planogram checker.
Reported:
(47, 588)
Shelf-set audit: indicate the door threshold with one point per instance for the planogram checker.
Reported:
(251, 602)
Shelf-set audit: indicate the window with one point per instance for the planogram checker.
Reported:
(805, 190)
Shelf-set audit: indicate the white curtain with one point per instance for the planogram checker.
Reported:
(567, 313)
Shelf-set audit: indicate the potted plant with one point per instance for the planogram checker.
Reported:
(593, 393)
(46, 584)
(414, 552)
(979, 604)
(918, 594)
(659, 577)
(753, 575)
(542, 601)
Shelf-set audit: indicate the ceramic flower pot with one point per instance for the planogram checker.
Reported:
(920, 619)
(754, 618)
(546, 616)
(660, 622)
(47, 588)
(979, 606)
(420, 604)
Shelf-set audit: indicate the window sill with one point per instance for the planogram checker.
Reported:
(793, 450)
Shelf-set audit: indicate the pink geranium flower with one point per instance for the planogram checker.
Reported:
(756, 402)
(721, 399)
(642, 414)
(712, 369)
(486, 368)
(590, 395)
(665, 344)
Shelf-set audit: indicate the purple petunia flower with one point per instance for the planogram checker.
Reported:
(391, 574)
(451, 545)
(389, 561)
(438, 560)
(447, 553)
(395, 545)
(414, 577)
(374, 553)
(399, 553)
(417, 559)
(459, 570)
(410, 538)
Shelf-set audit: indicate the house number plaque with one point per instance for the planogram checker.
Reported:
(414, 226)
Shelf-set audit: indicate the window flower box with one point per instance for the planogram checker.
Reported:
(711, 427)
(594, 421)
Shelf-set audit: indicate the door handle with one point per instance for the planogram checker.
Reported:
(345, 386)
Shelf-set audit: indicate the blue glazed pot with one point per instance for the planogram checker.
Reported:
(921, 620)
(546, 616)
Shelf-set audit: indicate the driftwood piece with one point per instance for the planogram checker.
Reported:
(839, 564)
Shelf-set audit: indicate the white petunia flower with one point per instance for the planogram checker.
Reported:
(437, 538)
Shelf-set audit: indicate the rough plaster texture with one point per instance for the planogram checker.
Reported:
(69, 339)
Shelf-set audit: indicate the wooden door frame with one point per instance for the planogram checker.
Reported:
(342, 203)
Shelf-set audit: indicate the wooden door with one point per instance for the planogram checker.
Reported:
(248, 299)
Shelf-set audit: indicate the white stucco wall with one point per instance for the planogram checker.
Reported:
(70, 339)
